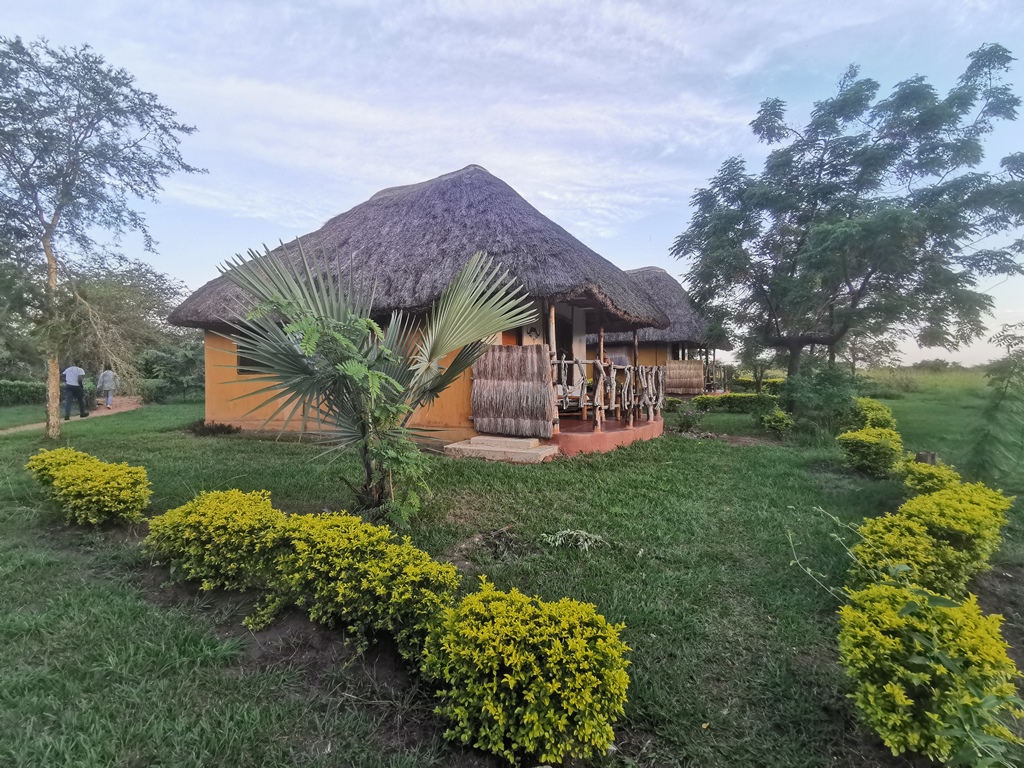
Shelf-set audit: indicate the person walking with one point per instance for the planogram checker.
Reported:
(107, 383)
(73, 388)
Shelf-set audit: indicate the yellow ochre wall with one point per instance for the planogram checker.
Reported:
(452, 409)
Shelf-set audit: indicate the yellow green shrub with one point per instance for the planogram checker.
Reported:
(869, 412)
(361, 576)
(919, 477)
(967, 517)
(898, 548)
(43, 463)
(225, 539)
(873, 450)
(522, 677)
(929, 676)
(93, 491)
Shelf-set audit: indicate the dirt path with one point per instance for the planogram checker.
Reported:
(121, 404)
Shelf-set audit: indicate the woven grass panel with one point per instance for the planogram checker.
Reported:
(512, 392)
(684, 377)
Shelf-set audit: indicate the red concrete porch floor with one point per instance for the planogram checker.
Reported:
(577, 436)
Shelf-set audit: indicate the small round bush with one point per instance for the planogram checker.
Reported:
(225, 539)
(868, 412)
(929, 676)
(525, 678)
(778, 422)
(898, 548)
(872, 450)
(967, 517)
(44, 463)
(919, 477)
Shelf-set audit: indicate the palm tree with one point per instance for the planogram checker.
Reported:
(325, 361)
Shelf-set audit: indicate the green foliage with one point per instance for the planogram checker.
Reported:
(672, 404)
(523, 677)
(919, 477)
(997, 453)
(179, 369)
(344, 571)
(226, 539)
(868, 412)
(778, 422)
(89, 490)
(203, 428)
(882, 240)
(929, 675)
(22, 393)
(150, 391)
(747, 384)
(331, 359)
(736, 402)
(872, 450)
(820, 397)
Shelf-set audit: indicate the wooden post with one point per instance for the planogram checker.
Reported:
(551, 330)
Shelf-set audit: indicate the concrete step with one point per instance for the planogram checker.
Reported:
(468, 449)
(506, 443)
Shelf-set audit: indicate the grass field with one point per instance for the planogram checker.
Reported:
(733, 660)
(16, 415)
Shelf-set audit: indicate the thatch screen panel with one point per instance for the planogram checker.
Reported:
(512, 392)
(684, 377)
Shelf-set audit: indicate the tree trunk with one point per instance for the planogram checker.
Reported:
(832, 354)
(52, 364)
(794, 360)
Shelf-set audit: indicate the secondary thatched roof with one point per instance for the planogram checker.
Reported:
(686, 325)
(409, 242)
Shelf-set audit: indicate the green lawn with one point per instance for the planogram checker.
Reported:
(733, 660)
(16, 415)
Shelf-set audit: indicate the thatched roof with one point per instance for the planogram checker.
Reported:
(409, 242)
(686, 325)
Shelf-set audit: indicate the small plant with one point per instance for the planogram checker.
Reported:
(574, 539)
(523, 677)
(778, 422)
(673, 404)
(872, 450)
(203, 428)
(689, 420)
(930, 675)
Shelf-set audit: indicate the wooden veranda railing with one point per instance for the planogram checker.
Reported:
(626, 390)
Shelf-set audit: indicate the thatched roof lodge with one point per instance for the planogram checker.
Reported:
(409, 242)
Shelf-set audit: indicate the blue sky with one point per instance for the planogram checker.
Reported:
(605, 116)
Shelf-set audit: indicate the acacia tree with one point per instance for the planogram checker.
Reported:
(873, 217)
(79, 142)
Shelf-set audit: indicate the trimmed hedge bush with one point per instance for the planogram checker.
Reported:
(747, 384)
(897, 548)
(345, 571)
(22, 393)
(929, 676)
(737, 402)
(43, 464)
(968, 517)
(872, 450)
(226, 539)
(919, 477)
(868, 412)
(337, 567)
(89, 490)
(522, 677)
